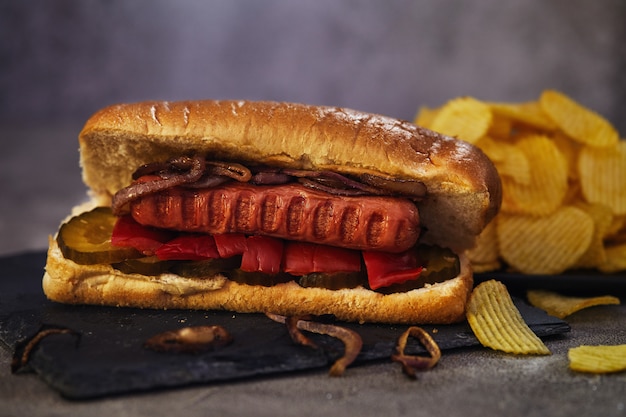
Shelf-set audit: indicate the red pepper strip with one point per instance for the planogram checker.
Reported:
(128, 233)
(230, 244)
(262, 254)
(384, 269)
(188, 248)
(303, 258)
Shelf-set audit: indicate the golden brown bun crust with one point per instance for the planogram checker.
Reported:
(68, 282)
(464, 190)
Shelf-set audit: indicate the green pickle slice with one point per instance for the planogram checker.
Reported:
(149, 265)
(333, 281)
(86, 239)
(208, 267)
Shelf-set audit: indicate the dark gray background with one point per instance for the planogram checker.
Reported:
(62, 60)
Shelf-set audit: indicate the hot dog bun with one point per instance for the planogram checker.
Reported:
(463, 195)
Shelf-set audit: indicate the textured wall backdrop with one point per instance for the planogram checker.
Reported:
(61, 60)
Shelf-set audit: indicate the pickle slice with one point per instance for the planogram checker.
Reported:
(86, 239)
(258, 278)
(332, 280)
(152, 266)
(149, 265)
(439, 264)
(205, 268)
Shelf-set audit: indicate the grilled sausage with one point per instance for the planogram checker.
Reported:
(288, 211)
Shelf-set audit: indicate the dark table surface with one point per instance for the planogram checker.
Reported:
(466, 382)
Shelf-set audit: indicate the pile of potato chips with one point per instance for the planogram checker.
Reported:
(563, 171)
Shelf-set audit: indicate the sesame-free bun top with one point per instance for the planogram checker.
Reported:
(463, 187)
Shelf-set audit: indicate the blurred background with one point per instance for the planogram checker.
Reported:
(61, 60)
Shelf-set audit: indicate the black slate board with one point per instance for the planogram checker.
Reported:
(108, 357)
(585, 283)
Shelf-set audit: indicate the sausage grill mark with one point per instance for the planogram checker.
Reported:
(349, 224)
(323, 220)
(270, 210)
(375, 229)
(288, 211)
(215, 210)
(295, 214)
(243, 216)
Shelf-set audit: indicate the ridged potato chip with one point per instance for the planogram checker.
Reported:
(602, 174)
(529, 113)
(570, 151)
(510, 161)
(501, 128)
(602, 217)
(548, 185)
(498, 324)
(465, 118)
(425, 116)
(479, 268)
(546, 244)
(486, 251)
(561, 306)
(598, 359)
(579, 122)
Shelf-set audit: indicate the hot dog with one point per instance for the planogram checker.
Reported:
(333, 179)
(288, 212)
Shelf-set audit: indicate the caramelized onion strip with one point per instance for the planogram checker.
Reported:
(332, 182)
(351, 340)
(194, 339)
(296, 335)
(194, 170)
(413, 363)
(232, 170)
(24, 349)
(409, 188)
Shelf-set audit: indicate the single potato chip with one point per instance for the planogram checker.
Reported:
(479, 267)
(486, 251)
(498, 324)
(501, 128)
(562, 306)
(509, 160)
(529, 113)
(465, 118)
(548, 185)
(602, 217)
(570, 151)
(578, 122)
(425, 116)
(602, 174)
(544, 245)
(598, 359)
